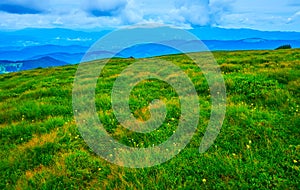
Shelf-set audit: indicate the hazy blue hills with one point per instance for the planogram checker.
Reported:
(41, 51)
(73, 54)
(214, 33)
(149, 50)
(249, 44)
(61, 56)
(13, 66)
(65, 37)
(54, 47)
(55, 36)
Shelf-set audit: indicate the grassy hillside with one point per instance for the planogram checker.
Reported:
(258, 147)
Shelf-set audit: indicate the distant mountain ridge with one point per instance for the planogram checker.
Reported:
(44, 36)
(41, 51)
(14, 66)
(62, 56)
(214, 33)
(55, 47)
(66, 37)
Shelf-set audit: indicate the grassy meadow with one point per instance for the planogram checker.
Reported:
(258, 146)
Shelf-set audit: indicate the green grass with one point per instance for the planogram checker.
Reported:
(258, 147)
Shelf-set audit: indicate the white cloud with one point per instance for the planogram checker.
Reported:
(293, 22)
(254, 14)
(192, 12)
(257, 14)
(219, 8)
(77, 39)
(294, 18)
(198, 12)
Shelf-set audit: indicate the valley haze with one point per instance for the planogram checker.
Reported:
(37, 47)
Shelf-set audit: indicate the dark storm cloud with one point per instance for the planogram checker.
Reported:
(99, 8)
(20, 7)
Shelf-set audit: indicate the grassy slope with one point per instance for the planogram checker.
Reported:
(258, 147)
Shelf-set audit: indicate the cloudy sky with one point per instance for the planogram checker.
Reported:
(278, 15)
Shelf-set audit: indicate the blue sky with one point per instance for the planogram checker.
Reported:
(279, 15)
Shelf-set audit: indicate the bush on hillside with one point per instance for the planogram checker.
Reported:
(284, 47)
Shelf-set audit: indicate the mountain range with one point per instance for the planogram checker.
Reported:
(31, 48)
(14, 66)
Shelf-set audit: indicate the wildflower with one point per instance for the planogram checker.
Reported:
(233, 154)
(295, 161)
(204, 180)
(248, 146)
(99, 169)
(250, 141)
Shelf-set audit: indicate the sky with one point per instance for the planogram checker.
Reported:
(268, 15)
